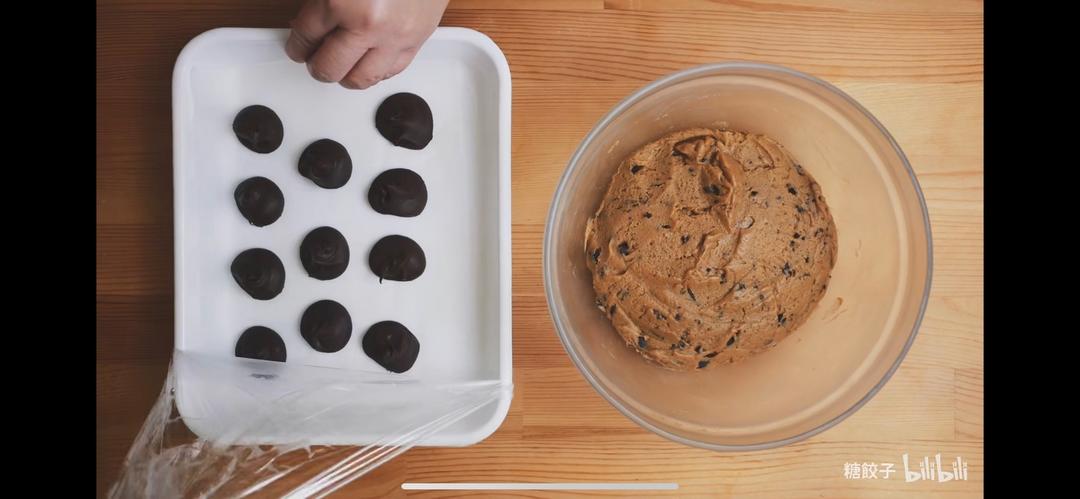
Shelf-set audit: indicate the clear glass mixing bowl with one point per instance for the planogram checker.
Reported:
(859, 332)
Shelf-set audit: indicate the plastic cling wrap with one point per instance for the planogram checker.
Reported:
(289, 430)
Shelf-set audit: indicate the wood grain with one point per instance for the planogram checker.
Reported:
(783, 6)
(916, 64)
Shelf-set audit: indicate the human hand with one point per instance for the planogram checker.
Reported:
(358, 43)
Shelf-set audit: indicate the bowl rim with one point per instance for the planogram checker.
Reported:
(622, 106)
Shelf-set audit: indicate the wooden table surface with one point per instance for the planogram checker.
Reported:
(916, 64)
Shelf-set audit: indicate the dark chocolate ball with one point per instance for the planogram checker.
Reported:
(259, 129)
(391, 345)
(326, 326)
(405, 120)
(261, 343)
(324, 253)
(260, 201)
(259, 273)
(399, 192)
(397, 258)
(326, 163)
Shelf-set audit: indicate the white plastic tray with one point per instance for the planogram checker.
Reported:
(459, 308)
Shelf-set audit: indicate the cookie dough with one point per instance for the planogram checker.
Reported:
(259, 273)
(405, 120)
(327, 163)
(258, 128)
(709, 246)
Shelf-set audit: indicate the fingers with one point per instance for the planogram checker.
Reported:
(312, 23)
(371, 69)
(377, 64)
(337, 55)
(403, 60)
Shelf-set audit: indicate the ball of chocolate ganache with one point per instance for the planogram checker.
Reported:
(261, 343)
(391, 345)
(405, 120)
(259, 273)
(259, 129)
(324, 253)
(326, 326)
(326, 163)
(260, 201)
(397, 258)
(399, 192)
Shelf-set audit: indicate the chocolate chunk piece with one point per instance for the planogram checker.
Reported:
(326, 326)
(326, 163)
(397, 258)
(324, 253)
(259, 273)
(391, 345)
(260, 201)
(261, 343)
(398, 192)
(259, 129)
(405, 120)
